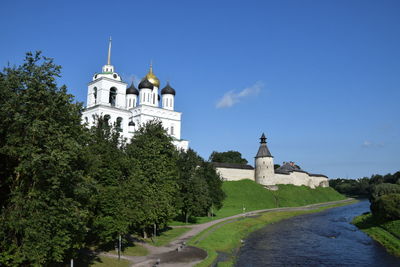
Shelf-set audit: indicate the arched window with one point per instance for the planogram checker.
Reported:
(154, 99)
(130, 102)
(95, 95)
(113, 96)
(148, 98)
(119, 124)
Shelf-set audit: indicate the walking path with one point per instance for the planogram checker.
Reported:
(174, 254)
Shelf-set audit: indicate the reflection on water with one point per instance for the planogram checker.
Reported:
(321, 239)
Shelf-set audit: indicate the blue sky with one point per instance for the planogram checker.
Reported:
(320, 78)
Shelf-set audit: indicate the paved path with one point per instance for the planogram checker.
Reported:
(169, 255)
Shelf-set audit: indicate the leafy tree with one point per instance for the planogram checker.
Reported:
(107, 164)
(193, 190)
(214, 182)
(227, 157)
(387, 207)
(384, 189)
(42, 188)
(200, 185)
(152, 158)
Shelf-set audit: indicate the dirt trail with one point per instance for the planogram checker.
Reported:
(174, 254)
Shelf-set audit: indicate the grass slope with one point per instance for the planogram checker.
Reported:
(253, 196)
(387, 234)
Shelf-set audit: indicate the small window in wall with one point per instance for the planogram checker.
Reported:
(95, 95)
(154, 99)
(86, 120)
(172, 130)
(130, 102)
(113, 96)
(148, 98)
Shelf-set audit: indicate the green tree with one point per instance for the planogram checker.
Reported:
(194, 197)
(214, 182)
(107, 164)
(42, 187)
(152, 159)
(387, 207)
(227, 157)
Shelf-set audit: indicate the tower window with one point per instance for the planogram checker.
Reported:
(172, 130)
(95, 94)
(113, 96)
(154, 99)
(130, 102)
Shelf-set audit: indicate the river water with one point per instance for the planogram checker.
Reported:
(320, 239)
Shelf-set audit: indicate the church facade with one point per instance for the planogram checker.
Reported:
(131, 107)
(265, 174)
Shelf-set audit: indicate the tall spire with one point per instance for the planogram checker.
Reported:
(151, 66)
(109, 53)
(263, 139)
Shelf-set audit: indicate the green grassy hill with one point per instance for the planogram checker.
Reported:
(252, 196)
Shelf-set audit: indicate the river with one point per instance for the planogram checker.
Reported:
(321, 239)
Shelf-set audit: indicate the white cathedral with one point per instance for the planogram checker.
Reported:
(129, 107)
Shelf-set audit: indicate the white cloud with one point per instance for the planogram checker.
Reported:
(231, 98)
(370, 144)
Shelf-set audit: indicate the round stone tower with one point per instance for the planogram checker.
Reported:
(264, 164)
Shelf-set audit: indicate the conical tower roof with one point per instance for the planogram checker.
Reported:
(263, 151)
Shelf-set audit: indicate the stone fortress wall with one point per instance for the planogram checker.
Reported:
(265, 174)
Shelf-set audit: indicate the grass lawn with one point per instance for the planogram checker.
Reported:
(252, 196)
(387, 234)
(136, 250)
(167, 236)
(225, 237)
(110, 262)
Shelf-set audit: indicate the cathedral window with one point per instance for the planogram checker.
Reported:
(154, 99)
(113, 96)
(148, 98)
(172, 130)
(130, 102)
(95, 94)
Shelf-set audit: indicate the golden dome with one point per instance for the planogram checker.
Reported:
(152, 78)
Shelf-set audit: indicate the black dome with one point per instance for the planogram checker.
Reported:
(132, 90)
(168, 90)
(146, 84)
(131, 123)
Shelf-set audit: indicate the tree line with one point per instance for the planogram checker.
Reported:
(383, 192)
(64, 186)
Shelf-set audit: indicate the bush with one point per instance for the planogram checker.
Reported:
(387, 207)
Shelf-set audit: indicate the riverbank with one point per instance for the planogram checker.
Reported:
(387, 234)
(226, 237)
